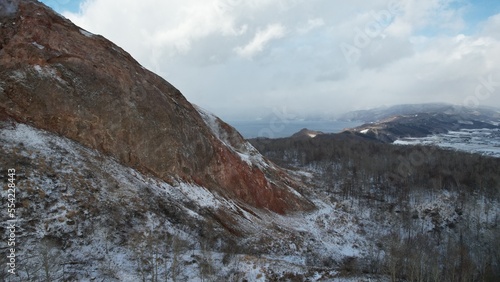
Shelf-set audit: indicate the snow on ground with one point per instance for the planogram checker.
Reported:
(331, 232)
(48, 72)
(18, 75)
(25, 134)
(326, 229)
(41, 47)
(287, 244)
(245, 150)
(335, 231)
(70, 160)
(482, 141)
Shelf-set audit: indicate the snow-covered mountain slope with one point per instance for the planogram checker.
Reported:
(426, 213)
(87, 209)
(230, 137)
(86, 216)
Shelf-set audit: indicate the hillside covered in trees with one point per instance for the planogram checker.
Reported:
(435, 212)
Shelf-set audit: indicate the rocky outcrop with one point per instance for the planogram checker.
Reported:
(61, 78)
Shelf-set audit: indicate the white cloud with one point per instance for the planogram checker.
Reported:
(260, 40)
(172, 26)
(423, 52)
(416, 16)
(310, 25)
(491, 27)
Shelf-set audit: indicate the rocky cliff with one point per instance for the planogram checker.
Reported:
(58, 77)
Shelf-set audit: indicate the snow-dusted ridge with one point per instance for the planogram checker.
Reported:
(236, 143)
(77, 194)
(80, 187)
(231, 138)
(86, 33)
(46, 145)
(101, 215)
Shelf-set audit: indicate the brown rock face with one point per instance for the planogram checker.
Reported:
(57, 77)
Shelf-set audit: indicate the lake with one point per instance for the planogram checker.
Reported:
(279, 129)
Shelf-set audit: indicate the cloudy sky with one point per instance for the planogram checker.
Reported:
(243, 59)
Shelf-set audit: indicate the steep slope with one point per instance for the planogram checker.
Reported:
(60, 78)
(86, 217)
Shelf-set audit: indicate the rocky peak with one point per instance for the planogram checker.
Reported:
(58, 77)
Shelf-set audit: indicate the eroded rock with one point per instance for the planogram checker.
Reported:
(63, 79)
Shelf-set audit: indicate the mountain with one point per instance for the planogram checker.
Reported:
(381, 113)
(83, 216)
(423, 120)
(58, 77)
(109, 174)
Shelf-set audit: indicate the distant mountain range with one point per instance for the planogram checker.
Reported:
(416, 192)
(381, 113)
(388, 125)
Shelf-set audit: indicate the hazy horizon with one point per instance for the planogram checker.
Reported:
(244, 60)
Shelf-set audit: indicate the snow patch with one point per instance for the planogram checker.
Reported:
(48, 72)
(18, 75)
(246, 152)
(198, 194)
(211, 121)
(41, 47)
(25, 134)
(86, 33)
(482, 141)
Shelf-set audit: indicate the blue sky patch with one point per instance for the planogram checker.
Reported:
(61, 6)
